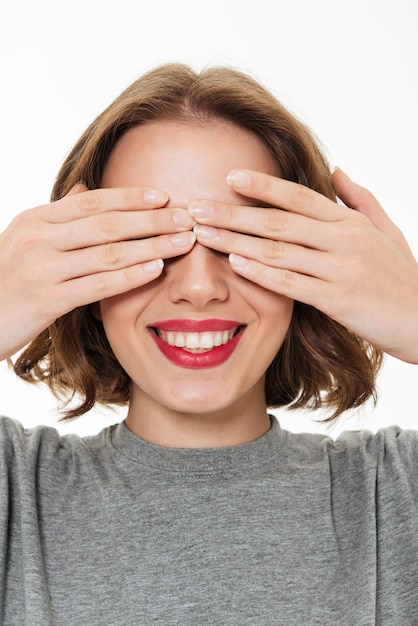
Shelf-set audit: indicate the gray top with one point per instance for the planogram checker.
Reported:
(290, 529)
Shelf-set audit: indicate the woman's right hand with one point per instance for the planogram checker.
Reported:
(85, 247)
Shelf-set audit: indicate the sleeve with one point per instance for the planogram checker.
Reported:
(23, 582)
(376, 477)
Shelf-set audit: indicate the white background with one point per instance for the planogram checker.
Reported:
(348, 69)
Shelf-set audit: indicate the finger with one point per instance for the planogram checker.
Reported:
(79, 203)
(275, 254)
(112, 226)
(123, 254)
(95, 287)
(271, 223)
(287, 283)
(285, 195)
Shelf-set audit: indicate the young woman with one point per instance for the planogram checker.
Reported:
(195, 265)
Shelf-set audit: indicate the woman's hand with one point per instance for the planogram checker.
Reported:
(351, 262)
(87, 246)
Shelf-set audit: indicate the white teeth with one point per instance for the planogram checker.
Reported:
(197, 341)
(207, 340)
(192, 341)
(218, 339)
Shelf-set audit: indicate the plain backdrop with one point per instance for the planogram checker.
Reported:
(348, 69)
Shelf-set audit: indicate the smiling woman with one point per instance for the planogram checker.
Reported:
(183, 133)
(198, 292)
(196, 266)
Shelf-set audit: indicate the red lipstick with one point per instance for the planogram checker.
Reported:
(212, 357)
(195, 326)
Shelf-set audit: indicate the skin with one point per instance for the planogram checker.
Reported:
(78, 250)
(354, 265)
(349, 261)
(181, 407)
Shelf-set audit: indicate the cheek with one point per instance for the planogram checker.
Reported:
(277, 308)
(124, 308)
(280, 319)
(119, 316)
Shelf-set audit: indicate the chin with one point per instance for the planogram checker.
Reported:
(199, 405)
(211, 399)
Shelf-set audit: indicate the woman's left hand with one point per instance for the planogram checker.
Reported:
(351, 262)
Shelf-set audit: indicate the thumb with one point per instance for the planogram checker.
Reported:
(362, 200)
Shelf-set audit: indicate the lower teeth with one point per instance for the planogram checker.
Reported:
(198, 350)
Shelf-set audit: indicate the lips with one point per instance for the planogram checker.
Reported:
(197, 344)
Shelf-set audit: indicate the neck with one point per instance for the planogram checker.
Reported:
(228, 426)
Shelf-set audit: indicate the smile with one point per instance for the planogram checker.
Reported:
(197, 344)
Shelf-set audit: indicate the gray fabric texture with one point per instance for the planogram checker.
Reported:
(290, 529)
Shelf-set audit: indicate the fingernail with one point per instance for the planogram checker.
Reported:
(205, 232)
(238, 178)
(182, 218)
(202, 208)
(152, 267)
(183, 240)
(238, 261)
(155, 196)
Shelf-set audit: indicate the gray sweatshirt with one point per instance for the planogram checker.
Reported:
(293, 530)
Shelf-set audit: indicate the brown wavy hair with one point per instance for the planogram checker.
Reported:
(320, 364)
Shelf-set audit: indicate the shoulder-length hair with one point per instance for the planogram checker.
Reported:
(320, 364)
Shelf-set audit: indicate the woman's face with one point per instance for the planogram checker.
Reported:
(198, 295)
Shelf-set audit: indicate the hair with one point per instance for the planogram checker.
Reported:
(320, 364)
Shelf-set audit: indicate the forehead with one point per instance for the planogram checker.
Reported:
(188, 159)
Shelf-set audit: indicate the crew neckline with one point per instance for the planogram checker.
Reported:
(198, 460)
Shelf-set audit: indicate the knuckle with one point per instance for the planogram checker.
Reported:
(287, 280)
(301, 196)
(155, 218)
(27, 227)
(274, 221)
(273, 250)
(88, 201)
(109, 224)
(157, 247)
(102, 285)
(233, 213)
(361, 221)
(25, 235)
(23, 219)
(112, 254)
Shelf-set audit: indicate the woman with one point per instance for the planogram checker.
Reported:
(194, 263)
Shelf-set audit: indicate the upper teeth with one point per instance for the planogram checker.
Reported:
(192, 341)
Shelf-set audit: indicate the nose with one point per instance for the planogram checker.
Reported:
(198, 278)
